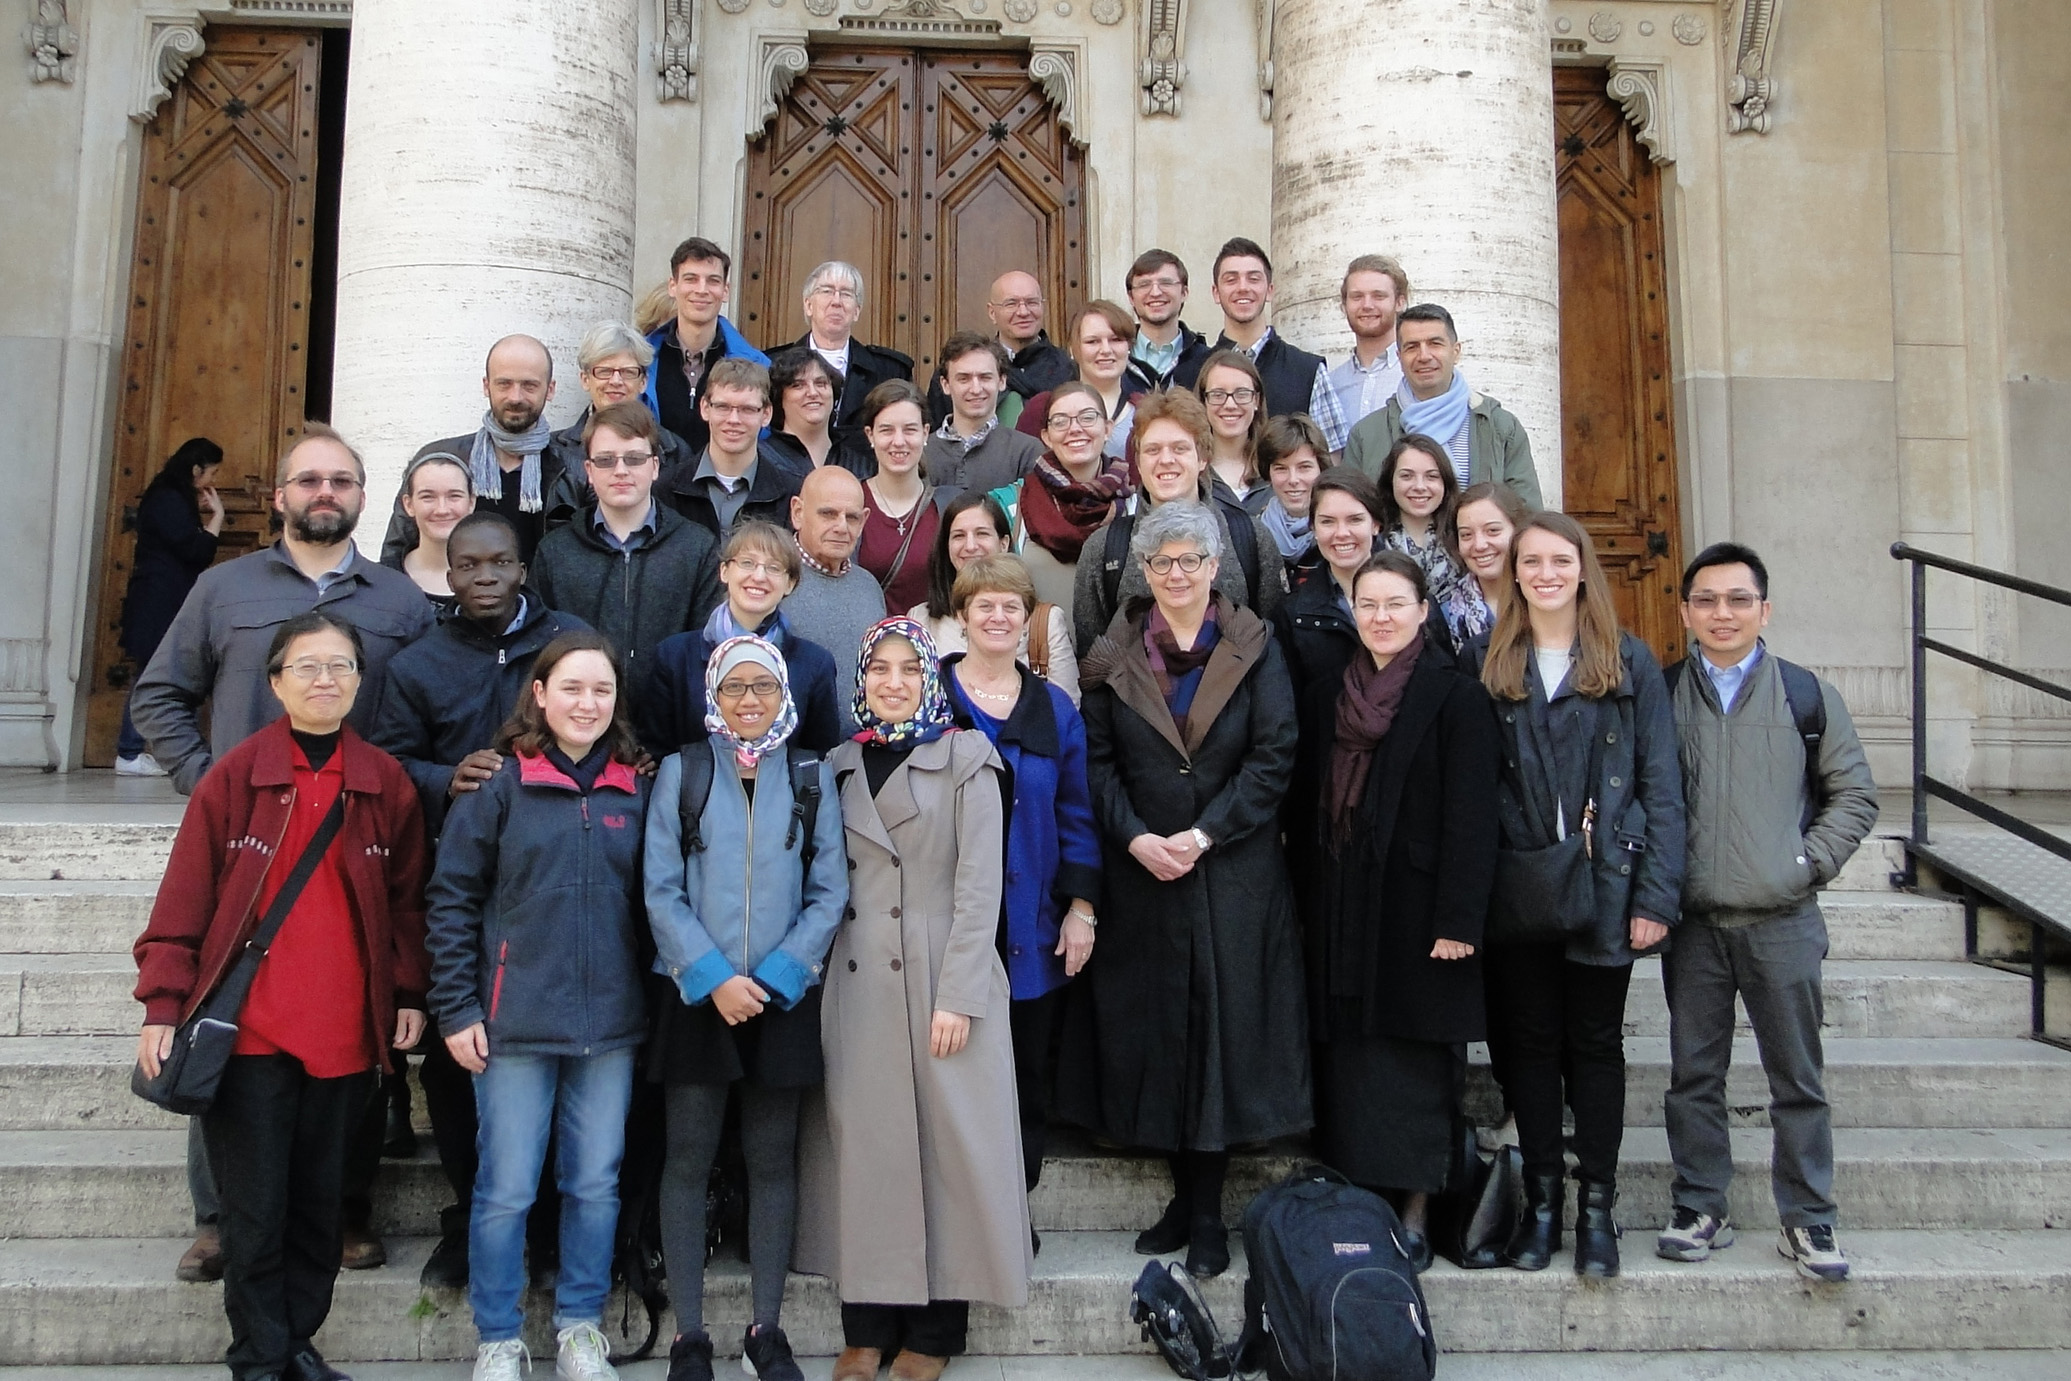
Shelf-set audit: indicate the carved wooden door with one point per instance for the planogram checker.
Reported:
(1617, 408)
(933, 171)
(219, 298)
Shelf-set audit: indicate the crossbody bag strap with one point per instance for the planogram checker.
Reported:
(899, 559)
(229, 999)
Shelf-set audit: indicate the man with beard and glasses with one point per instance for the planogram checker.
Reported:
(215, 655)
(510, 456)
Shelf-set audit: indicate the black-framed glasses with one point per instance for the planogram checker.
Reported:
(1187, 561)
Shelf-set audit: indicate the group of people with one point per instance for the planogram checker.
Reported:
(781, 734)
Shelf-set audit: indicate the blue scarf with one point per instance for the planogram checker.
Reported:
(1290, 534)
(1439, 418)
(721, 626)
(932, 719)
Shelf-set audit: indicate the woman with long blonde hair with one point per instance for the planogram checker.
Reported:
(1589, 872)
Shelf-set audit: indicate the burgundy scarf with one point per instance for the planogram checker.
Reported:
(1061, 513)
(1171, 664)
(1366, 709)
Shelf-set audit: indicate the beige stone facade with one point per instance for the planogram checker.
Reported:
(1866, 206)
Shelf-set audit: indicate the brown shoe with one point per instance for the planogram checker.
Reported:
(858, 1364)
(917, 1366)
(204, 1260)
(364, 1250)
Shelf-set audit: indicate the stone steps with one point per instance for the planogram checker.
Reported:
(1968, 1289)
(133, 1183)
(57, 849)
(95, 916)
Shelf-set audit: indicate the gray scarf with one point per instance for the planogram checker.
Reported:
(488, 475)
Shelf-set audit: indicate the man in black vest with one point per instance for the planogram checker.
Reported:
(695, 339)
(1296, 381)
(833, 302)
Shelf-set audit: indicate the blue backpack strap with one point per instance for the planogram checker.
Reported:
(696, 789)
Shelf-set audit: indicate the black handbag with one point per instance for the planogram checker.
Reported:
(188, 1077)
(1472, 1223)
(1541, 895)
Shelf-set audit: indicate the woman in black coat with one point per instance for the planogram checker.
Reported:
(1589, 748)
(179, 518)
(1189, 1035)
(1392, 825)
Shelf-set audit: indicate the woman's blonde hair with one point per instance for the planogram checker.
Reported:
(1598, 668)
(768, 540)
(1001, 573)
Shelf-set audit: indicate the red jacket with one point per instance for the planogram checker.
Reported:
(234, 823)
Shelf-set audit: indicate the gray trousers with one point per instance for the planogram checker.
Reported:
(1774, 966)
(201, 1181)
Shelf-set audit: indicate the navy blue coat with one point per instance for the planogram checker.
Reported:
(1053, 848)
(537, 922)
(671, 712)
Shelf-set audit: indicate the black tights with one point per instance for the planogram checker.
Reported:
(1197, 1178)
(769, 1142)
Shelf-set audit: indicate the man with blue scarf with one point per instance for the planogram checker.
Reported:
(1486, 443)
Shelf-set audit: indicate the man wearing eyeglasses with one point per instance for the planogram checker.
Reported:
(1778, 795)
(738, 477)
(215, 655)
(611, 365)
(631, 567)
(1157, 286)
(833, 304)
(1015, 307)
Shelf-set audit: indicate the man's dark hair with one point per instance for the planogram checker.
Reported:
(971, 343)
(1429, 311)
(1726, 554)
(484, 517)
(301, 626)
(629, 419)
(1150, 261)
(704, 251)
(1240, 248)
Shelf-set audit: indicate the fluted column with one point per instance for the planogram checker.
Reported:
(1425, 130)
(488, 189)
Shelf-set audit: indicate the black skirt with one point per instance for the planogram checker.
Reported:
(1386, 1108)
(779, 1049)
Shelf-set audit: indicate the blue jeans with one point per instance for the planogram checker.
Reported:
(519, 1099)
(129, 743)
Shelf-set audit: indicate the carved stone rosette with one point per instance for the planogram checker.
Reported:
(53, 43)
(1163, 69)
(676, 52)
(1750, 89)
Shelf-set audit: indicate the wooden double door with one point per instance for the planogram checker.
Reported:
(933, 171)
(1618, 449)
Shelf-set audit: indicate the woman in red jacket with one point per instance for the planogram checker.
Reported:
(343, 981)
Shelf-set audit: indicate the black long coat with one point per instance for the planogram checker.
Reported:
(173, 549)
(1416, 870)
(1188, 1030)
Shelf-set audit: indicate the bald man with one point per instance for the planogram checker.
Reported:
(836, 601)
(1015, 308)
(509, 456)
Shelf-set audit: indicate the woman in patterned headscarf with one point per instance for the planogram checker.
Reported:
(911, 1183)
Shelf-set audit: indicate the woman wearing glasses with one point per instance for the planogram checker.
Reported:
(1098, 339)
(1056, 507)
(1192, 1037)
(1235, 395)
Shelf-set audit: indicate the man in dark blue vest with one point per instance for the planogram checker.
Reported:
(1296, 381)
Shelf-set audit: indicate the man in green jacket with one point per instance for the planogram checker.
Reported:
(1767, 828)
(1486, 443)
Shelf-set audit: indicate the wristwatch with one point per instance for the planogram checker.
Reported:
(1201, 840)
(1086, 916)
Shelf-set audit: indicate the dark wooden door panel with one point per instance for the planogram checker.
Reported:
(933, 172)
(1617, 420)
(219, 303)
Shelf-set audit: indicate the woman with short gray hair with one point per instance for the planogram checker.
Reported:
(1176, 524)
(612, 365)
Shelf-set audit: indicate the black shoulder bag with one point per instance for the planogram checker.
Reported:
(188, 1077)
(1547, 894)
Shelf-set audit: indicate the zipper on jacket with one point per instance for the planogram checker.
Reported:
(748, 879)
(503, 950)
(499, 656)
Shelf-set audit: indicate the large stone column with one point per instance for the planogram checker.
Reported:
(1425, 131)
(488, 189)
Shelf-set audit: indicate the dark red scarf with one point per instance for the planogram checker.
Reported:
(1366, 709)
(1061, 513)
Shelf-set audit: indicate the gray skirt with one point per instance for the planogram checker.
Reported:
(1386, 1109)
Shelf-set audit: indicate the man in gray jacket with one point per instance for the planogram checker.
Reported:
(1778, 796)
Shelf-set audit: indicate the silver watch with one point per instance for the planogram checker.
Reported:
(1201, 841)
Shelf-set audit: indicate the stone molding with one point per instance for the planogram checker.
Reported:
(306, 9)
(21, 666)
(1163, 69)
(1267, 13)
(676, 51)
(1054, 65)
(53, 42)
(781, 56)
(1750, 90)
(171, 39)
(1641, 88)
(925, 19)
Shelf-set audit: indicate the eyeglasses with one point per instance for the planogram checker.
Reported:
(1242, 397)
(1393, 608)
(739, 410)
(615, 374)
(838, 294)
(310, 669)
(1086, 421)
(1166, 284)
(749, 566)
(1015, 304)
(1188, 562)
(310, 484)
(1739, 601)
(631, 460)
(761, 690)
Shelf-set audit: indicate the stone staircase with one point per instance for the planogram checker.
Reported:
(1953, 1142)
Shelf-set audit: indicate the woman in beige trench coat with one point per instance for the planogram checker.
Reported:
(911, 1190)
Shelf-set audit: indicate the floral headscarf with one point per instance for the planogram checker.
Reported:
(932, 719)
(749, 650)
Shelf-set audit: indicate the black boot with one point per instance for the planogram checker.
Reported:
(446, 1267)
(1596, 1233)
(398, 1137)
(1537, 1236)
(1208, 1248)
(1169, 1233)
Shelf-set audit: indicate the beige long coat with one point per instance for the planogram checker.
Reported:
(910, 1181)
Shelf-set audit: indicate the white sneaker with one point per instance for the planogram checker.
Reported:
(504, 1361)
(142, 765)
(1814, 1252)
(583, 1354)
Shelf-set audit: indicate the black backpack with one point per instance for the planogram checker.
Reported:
(1114, 556)
(1331, 1293)
(1808, 712)
(696, 759)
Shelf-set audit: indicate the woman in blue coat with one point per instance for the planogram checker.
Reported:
(1053, 850)
(743, 913)
(538, 941)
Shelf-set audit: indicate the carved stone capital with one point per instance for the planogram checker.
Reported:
(781, 57)
(171, 39)
(1750, 89)
(1053, 64)
(676, 51)
(52, 41)
(1163, 69)
(1640, 87)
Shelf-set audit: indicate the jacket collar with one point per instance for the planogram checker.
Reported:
(465, 630)
(273, 759)
(1032, 722)
(539, 771)
(876, 817)
(666, 521)
(1118, 660)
